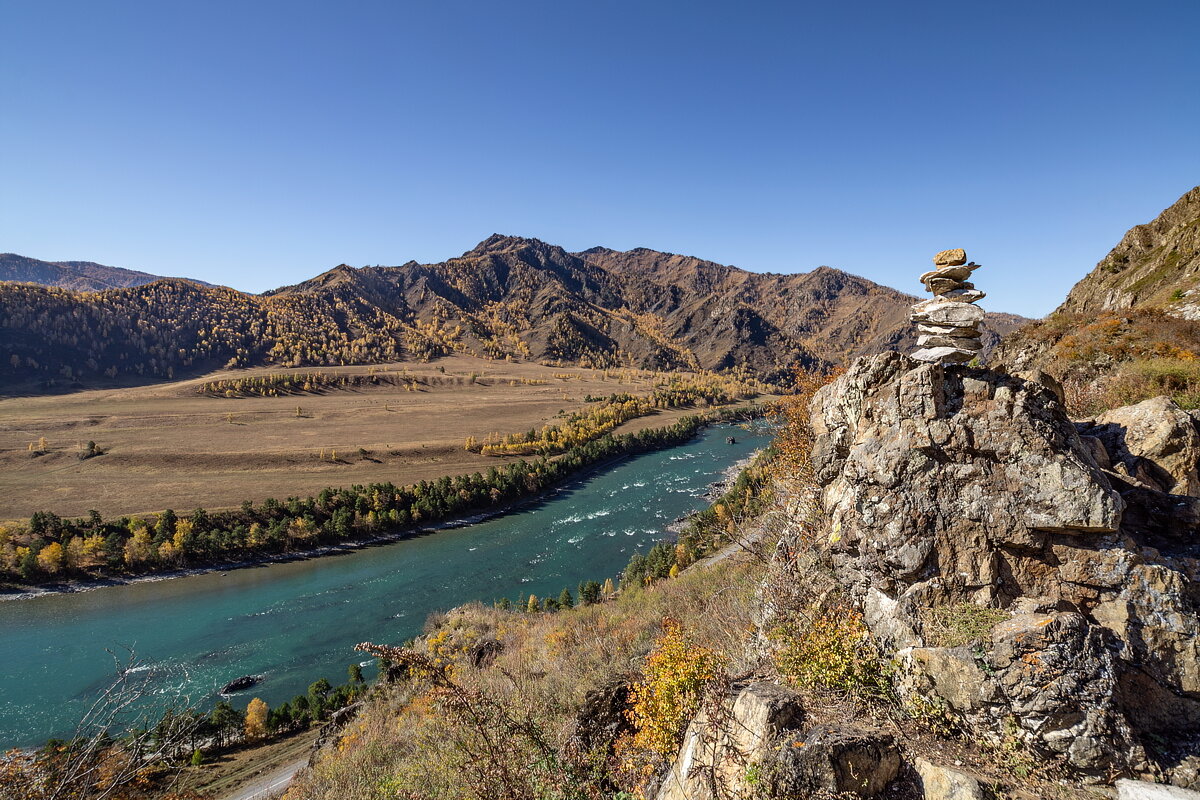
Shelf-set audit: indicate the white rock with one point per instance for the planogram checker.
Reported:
(964, 295)
(941, 783)
(947, 330)
(1144, 790)
(949, 313)
(947, 355)
(960, 342)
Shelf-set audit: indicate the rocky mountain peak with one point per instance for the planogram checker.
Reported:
(498, 243)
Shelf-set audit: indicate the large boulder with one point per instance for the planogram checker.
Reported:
(1144, 790)
(721, 745)
(943, 783)
(755, 744)
(950, 487)
(1155, 442)
(834, 761)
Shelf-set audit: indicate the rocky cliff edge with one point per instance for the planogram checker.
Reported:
(951, 487)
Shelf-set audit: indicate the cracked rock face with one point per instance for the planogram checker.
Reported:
(948, 485)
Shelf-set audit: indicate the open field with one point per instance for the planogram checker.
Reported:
(168, 446)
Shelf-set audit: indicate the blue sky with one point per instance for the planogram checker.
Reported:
(257, 144)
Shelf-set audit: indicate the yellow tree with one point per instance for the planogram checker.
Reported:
(256, 719)
(168, 553)
(76, 552)
(92, 548)
(183, 529)
(50, 558)
(139, 548)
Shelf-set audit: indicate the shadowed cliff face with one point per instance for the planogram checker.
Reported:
(947, 487)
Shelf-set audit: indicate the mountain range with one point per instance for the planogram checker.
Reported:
(507, 297)
(79, 276)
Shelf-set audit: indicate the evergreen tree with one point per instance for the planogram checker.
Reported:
(589, 592)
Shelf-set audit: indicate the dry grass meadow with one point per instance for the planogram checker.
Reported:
(168, 446)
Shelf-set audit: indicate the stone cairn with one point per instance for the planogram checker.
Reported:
(948, 323)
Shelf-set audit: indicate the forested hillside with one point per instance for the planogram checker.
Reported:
(506, 298)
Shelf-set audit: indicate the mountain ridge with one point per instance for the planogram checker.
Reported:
(1156, 263)
(507, 297)
(79, 276)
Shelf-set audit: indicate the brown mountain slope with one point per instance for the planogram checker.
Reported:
(827, 311)
(506, 298)
(78, 276)
(1156, 264)
(1130, 329)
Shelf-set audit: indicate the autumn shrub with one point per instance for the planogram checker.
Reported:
(1132, 382)
(830, 651)
(1118, 358)
(794, 439)
(669, 693)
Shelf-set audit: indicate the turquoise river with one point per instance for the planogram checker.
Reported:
(297, 621)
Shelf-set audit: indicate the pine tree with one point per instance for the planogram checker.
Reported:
(565, 600)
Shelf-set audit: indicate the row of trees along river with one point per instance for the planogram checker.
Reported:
(50, 549)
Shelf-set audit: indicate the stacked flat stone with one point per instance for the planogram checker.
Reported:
(948, 323)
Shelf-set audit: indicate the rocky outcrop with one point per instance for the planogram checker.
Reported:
(1154, 442)
(755, 744)
(948, 485)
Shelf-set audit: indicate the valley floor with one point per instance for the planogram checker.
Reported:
(168, 446)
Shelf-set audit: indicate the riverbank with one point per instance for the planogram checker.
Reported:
(294, 622)
(78, 586)
(719, 416)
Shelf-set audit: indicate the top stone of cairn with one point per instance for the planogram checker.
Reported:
(950, 258)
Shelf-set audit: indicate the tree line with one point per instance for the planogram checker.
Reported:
(49, 548)
(609, 413)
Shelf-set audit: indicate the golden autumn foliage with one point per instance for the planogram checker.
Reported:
(674, 677)
(256, 719)
(609, 413)
(794, 440)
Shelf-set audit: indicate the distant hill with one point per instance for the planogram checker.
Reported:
(79, 276)
(507, 297)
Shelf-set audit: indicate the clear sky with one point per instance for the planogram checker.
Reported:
(259, 143)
